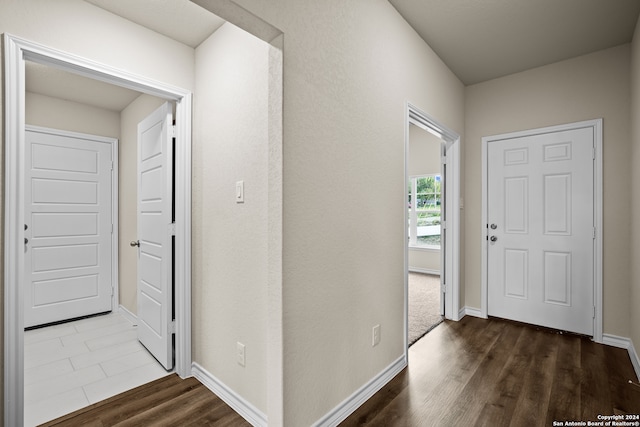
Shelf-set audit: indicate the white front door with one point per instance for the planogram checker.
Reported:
(155, 236)
(540, 230)
(68, 229)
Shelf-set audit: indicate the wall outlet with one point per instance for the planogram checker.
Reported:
(376, 336)
(240, 353)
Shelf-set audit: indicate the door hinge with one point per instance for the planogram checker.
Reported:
(173, 131)
(172, 327)
(593, 152)
(111, 228)
(443, 225)
(594, 233)
(594, 311)
(443, 288)
(111, 164)
(172, 228)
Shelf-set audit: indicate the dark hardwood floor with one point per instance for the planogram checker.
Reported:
(494, 372)
(169, 401)
(470, 373)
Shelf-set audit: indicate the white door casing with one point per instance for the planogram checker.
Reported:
(155, 235)
(542, 220)
(443, 230)
(68, 225)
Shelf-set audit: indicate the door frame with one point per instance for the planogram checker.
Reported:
(114, 143)
(16, 52)
(596, 126)
(415, 116)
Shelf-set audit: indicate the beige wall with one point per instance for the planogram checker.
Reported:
(588, 87)
(133, 114)
(349, 69)
(424, 159)
(634, 300)
(424, 152)
(77, 27)
(231, 143)
(54, 113)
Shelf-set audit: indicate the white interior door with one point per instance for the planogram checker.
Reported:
(155, 236)
(541, 229)
(68, 230)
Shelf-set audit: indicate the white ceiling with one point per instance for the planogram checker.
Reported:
(61, 84)
(484, 39)
(478, 39)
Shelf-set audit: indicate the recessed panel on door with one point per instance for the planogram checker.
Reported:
(53, 224)
(66, 289)
(516, 200)
(557, 204)
(516, 273)
(64, 192)
(64, 257)
(46, 157)
(557, 278)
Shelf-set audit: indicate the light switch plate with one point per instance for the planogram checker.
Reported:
(240, 192)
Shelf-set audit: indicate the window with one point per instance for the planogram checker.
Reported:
(425, 202)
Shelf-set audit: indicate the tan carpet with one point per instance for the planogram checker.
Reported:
(424, 308)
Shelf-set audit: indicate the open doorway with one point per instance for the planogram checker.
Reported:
(425, 206)
(18, 52)
(81, 317)
(432, 197)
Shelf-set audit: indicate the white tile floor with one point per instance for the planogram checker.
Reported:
(73, 365)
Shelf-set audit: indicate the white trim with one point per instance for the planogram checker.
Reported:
(596, 125)
(16, 51)
(452, 202)
(626, 343)
(424, 248)
(115, 198)
(635, 361)
(424, 271)
(616, 341)
(364, 393)
(124, 312)
(249, 412)
(471, 311)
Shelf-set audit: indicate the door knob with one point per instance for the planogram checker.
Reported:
(26, 241)
(493, 238)
(494, 226)
(134, 243)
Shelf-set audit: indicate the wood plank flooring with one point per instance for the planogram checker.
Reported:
(494, 372)
(169, 401)
(474, 372)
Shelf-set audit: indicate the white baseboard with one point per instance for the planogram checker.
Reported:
(424, 271)
(128, 315)
(475, 312)
(627, 344)
(249, 412)
(353, 402)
